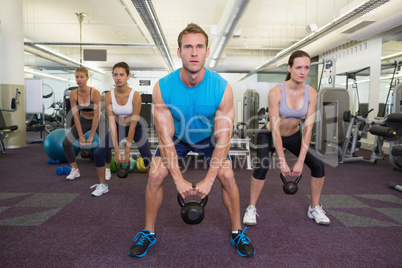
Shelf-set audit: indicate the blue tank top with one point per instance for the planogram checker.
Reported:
(193, 108)
(286, 112)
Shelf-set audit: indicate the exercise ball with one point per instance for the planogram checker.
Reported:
(140, 165)
(113, 168)
(53, 144)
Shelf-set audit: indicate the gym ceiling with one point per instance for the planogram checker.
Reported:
(246, 36)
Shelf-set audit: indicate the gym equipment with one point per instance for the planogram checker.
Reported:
(357, 126)
(395, 104)
(393, 185)
(113, 168)
(52, 162)
(63, 170)
(391, 130)
(395, 146)
(251, 104)
(89, 150)
(67, 119)
(263, 116)
(192, 212)
(290, 187)
(140, 165)
(4, 128)
(123, 169)
(329, 128)
(241, 130)
(66, 170)
(53, 145)
(59, 171)
(122, 172)
(146, 110)
(86, 151)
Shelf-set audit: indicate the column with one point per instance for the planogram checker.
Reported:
(12, 69)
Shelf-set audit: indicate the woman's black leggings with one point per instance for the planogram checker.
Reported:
(140, 138)
(265, 148)
(86, 125)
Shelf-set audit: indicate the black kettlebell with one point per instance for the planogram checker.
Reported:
(86, 151)
(122, 172)
(290, 187)
(192, 212)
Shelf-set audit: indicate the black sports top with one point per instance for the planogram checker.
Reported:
(89, 108)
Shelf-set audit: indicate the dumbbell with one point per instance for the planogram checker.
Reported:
(53, 162)
(290, 187)
(63, 170)
(192, 212)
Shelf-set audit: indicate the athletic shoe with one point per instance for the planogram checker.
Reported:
(242, 243)
(318, 214)
(100, 189)
(142, 241)
(74, 173)
(108, 174)
(250, 217)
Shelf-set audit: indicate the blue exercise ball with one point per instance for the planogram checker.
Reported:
(53, 144)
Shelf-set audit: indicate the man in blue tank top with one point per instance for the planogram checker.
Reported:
(193, 111)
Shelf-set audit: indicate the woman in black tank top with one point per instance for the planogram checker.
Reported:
(85, 107)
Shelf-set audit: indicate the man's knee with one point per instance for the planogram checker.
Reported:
(157, 174)
(226, 177)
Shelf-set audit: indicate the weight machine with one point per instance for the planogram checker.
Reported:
(356, 129)
(4, 128)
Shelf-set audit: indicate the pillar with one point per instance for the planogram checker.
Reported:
(12, 69)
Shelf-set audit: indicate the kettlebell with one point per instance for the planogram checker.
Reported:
(290, 187)
(192, 212)
(241, 130)
(86, 151)
(122, 172)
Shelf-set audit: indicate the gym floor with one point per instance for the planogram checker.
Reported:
(46, 221)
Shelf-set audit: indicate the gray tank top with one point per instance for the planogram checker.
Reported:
(286, 112)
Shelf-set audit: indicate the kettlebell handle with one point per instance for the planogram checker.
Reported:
(87, 146)
(127, 167)
(181, 202)
(284, 179)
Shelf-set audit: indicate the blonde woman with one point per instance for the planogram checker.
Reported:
(85, 107)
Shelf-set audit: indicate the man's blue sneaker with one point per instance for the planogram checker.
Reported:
(242, 243)
(142, 241)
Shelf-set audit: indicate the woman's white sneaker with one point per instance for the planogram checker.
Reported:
(250, 217)
(100, 189)
(318, 214)
(74, 173)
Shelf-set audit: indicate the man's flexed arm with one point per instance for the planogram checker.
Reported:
(165, 129)
(223, 126)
